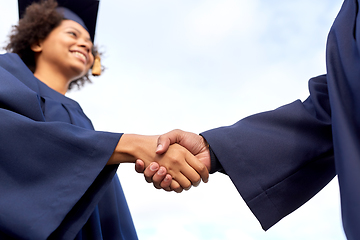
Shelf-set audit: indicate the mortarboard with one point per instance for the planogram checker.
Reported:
(83, 12)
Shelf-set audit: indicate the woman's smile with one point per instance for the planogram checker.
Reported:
(80, 55)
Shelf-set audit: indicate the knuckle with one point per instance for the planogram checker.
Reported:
(176, 161)
(203, 168)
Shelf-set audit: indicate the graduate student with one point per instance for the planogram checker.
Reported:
(57, 174)
(279, 159)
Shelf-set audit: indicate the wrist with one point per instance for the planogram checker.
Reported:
(125, 150)
(133, 146)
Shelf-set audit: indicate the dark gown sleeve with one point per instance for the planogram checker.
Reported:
(279, 159)
(52, 174)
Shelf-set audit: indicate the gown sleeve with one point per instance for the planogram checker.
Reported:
(279, 159)
(52, 174)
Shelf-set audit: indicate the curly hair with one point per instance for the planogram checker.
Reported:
(37, 23)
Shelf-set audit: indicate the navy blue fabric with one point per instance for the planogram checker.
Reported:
(70, 15)
(281, 158)
(53, 180)
(343, 68)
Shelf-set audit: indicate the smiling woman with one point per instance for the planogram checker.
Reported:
(57, 174)
(35, 27)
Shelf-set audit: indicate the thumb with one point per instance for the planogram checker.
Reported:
(163, 144)
(165, 140)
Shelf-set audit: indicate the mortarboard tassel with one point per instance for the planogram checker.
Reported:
(96, 69)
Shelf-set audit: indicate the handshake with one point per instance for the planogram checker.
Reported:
(182, 159)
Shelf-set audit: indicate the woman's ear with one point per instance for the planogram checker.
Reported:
(36, 47)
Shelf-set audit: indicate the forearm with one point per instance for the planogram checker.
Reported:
(132, 147)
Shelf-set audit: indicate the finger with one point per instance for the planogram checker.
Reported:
(139, 166)
(158, 177)
(191, 177)
(150, 171)
(199, 167)
(193, 171)
(165, 140)
(165, 184)
(183, 181)
(167, 181)
(175, 186)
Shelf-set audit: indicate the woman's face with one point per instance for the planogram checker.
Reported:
(66, 49)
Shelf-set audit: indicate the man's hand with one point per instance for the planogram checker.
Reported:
(195, 143)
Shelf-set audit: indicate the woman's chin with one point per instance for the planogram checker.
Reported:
(79, 72)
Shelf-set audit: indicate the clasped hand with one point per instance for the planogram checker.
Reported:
(162, 174)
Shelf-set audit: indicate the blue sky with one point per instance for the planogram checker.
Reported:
(197, 65)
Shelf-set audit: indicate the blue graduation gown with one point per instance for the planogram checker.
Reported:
(279, 159)
(53, 180)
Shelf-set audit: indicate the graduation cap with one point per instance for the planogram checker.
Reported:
(83, 12)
